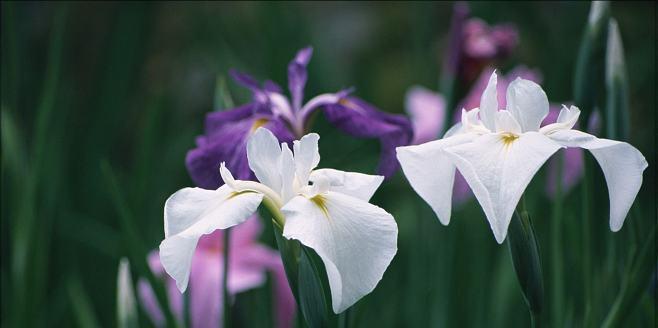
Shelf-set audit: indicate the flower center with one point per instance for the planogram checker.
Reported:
(320, 202)
(508, 138)
(257, 124)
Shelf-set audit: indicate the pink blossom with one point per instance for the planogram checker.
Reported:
(249, 263)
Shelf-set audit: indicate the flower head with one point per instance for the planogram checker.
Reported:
(324, 209)
(499, 151)
(249, 263)
(226, 133)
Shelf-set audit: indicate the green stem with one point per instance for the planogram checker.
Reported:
(556, 244)
(587, 252)
(225, 269)
(527, 263)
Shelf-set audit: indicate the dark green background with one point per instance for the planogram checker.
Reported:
(128, 84)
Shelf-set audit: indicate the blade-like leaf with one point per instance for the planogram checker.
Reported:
(126, 304)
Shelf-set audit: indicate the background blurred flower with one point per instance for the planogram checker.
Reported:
(477, 44)
(249, 263)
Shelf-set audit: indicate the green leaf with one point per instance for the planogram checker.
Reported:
(314, 298)
(616, 83)
(525, 256)
(126, 304)
(81, 305)
(308, 280)
(289, 250)
(589, 64)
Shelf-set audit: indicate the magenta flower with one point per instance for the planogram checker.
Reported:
(287, 117)
(249, 263)
(475, 45)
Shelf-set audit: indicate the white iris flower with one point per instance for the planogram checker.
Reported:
(325, 209)
(499, 151)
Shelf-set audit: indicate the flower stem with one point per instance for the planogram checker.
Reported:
(226, 302)
(556, 244)
(527, 264)
(587, 252)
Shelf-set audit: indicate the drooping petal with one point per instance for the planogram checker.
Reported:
(193, 212)
(263, 152)
(431, 173)
(427, 112)
(498, 168)
(225, 140)
(528, 103)
(297, 76)
(622, 166)
(358, 185)
(489, 103)
(360, 119)
(307, 156)
(355, 240)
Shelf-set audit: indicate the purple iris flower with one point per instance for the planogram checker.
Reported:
(226, 132)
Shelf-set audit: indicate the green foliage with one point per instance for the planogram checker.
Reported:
(100, 102)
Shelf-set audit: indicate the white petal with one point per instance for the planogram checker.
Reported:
(528, 103)
(431, 173)
(263, 153)
(567, 118)
(307, 156)
(355, 240)
(498, 172)
(287, 166)
(489, 103)
(193, 212)
(359, 185)
(505, 122)
(622, 166)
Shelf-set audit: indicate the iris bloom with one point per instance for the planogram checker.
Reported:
(249, 263)
(499, 151)
(427, 112)
(324, 209)
(226, 132)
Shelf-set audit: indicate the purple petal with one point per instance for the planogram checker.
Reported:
(426, 110)
(285, 301)
(297, 76)
(245, 80)
(271, 86)
(225, 141)
(485, 42)
(360, 119)
(206, 297)
(147, 296)
(149, 303)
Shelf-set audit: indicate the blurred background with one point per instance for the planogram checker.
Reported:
(101, 102)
